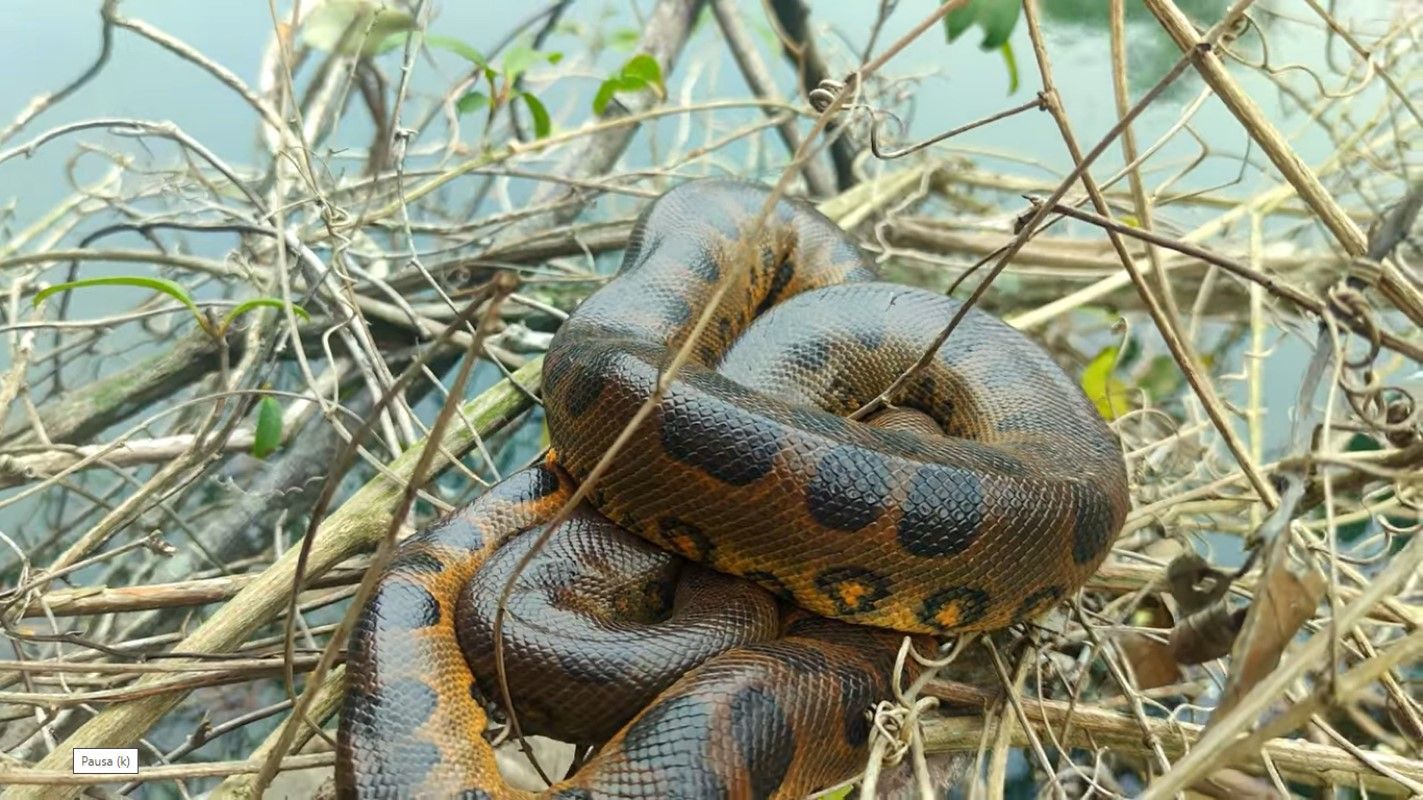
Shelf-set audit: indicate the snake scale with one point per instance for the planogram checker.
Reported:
(989, 490)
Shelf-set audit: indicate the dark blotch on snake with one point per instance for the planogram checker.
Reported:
(850, 488)
(409, 604)
(416, 562)
(855, 688)
(721, 439)
(705, 266)
(404, 705)
(942, 513)
(672, 741)
(785, 271)
(764, 736)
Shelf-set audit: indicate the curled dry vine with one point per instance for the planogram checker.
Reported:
(1242, 304)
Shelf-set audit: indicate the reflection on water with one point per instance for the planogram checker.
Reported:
(1150, 50)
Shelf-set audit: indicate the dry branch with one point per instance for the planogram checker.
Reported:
(353, 527)
(1085, 726)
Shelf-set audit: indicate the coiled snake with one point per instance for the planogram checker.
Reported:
(988, 492)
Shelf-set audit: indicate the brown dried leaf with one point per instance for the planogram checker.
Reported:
(1194, 583)
(1287, 595)
(1151, 661)
(1206, 634)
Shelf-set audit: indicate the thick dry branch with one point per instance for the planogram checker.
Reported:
(215, 674)
(44, 461)
(143, 597)
(1280, 288)
(852, 208)
(1054, 258)
(1007, 183)
(1090, 727)
(355, 526)
(1072, 257)
(24, 467)
(77, 416)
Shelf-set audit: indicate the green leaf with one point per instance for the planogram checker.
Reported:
(472, 101)
(644, 67)
(1011, 63)
(542, 125)
(1362, 443)
(519, 58)
(640, 72)
(459, 48)
(354, 27)
(1103, 388)
(268, 435)
(613, 85)
(997, 18)
(604, 96)
(260, 302)
(163, 285)
(624, 39)
(960, 19)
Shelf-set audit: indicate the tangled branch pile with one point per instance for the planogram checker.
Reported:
(191, 343)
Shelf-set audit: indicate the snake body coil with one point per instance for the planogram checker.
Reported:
(990, 491)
